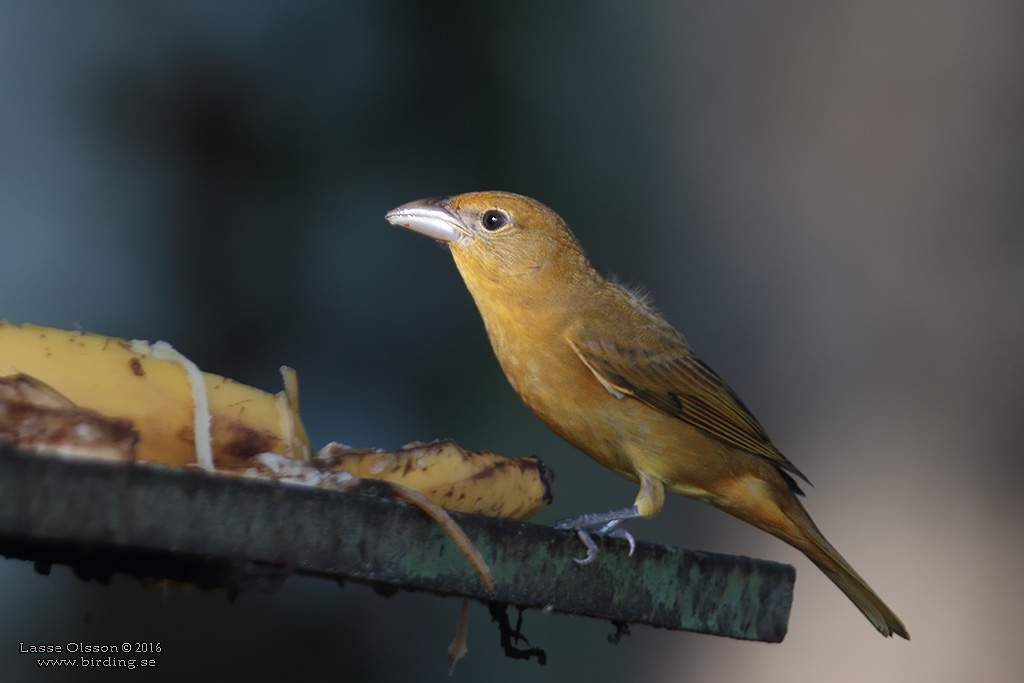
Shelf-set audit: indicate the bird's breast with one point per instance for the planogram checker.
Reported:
(556, 385)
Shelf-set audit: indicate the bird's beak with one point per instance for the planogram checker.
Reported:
(430, 217)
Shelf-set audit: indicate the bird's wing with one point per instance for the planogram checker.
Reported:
(664, 373)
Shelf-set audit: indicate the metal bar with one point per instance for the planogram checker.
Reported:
(154, 521)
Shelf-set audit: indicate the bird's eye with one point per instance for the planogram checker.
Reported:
(494, 219)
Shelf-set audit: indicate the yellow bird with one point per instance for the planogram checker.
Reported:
(611, 377)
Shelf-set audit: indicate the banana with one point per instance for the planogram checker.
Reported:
(78, 393)
(34, 417)
(480, 483)
(181, 415)
(178, 412)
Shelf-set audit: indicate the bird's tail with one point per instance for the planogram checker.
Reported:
(813, 544)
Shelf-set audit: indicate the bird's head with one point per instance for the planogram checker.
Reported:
(502, 242)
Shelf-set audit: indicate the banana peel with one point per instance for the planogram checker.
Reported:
(77, 393)
(479, 483)
(83, 394)
(155, 389)
(33, 416)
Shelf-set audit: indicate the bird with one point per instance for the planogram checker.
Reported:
(601, 368)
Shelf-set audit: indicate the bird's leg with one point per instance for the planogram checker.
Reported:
(597, 520)
(648, 503)
(604, 523)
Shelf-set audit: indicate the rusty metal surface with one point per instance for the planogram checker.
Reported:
(153, 521)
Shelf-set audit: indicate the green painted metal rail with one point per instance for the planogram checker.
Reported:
(154, 521)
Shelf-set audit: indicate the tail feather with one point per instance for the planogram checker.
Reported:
(767, 502)
(828, 559)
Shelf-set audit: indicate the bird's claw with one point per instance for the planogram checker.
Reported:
(627, 537)
(605, 524)
(592, 550)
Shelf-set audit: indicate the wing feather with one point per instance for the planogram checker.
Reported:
(670, 378)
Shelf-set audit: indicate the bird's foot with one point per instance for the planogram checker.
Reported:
(603, 523)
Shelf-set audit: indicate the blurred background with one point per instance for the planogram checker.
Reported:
(825, 197)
